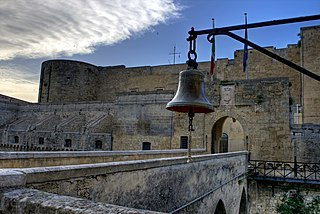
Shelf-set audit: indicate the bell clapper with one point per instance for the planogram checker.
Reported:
(190, 115)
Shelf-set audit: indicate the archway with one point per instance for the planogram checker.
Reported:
(243, 203)
(220, 209)
(227, 136)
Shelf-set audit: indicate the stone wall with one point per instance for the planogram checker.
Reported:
(265, 196)
(259, 106)
(306, 143)
(310, 59)
(65, 81)
(21, 201)
(125, 124)
(9, 108)
(61, 158)
(163, 185)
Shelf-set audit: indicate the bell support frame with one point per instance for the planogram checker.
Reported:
(226, 31)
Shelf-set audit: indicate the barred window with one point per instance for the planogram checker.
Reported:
(183, 142)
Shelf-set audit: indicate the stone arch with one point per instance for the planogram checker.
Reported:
(228, 125)
(220, 208)
(243, 202)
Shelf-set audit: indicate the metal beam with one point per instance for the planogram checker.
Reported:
(226, 31)
(274, 56)
(216, 31)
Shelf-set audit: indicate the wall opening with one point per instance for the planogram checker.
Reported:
(146, 146)
(67, 143)
(98, 144)
(243, 203)
(220, 209)
(16, 139)
(227, 136)
(183, 142)
(41, 140)
(224, 143)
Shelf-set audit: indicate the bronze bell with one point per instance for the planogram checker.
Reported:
(190, 97)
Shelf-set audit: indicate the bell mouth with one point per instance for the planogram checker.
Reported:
(184, 108)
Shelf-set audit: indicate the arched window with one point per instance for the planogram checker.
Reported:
(98, 144)
(146, 146)
(224, 143)
(67, 143)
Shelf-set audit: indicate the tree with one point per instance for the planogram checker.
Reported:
(294, 203)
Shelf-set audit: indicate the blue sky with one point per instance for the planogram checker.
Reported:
(131, 33)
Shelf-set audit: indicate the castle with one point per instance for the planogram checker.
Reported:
(273, 115)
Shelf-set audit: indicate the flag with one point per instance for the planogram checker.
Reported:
(245, 49)
(212, 52)
(212, 58)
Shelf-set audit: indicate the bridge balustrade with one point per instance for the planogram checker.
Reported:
(289, 171)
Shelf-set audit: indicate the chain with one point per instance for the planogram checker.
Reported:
(191, 115)
(192, 50)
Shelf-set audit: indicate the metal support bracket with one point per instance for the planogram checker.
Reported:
(226, 31)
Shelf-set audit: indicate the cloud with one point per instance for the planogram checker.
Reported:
(17, 82)
(52, 28)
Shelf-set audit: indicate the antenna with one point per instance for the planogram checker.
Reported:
(174, 54)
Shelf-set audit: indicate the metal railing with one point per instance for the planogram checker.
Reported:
(284, 170)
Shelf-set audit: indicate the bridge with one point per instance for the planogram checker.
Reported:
(210, 183)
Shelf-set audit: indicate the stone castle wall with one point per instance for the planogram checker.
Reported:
(260, 106)
(305, 142)
(310, 59)
(125, 107)
(9, 108)
(64, 81)
(264, 197)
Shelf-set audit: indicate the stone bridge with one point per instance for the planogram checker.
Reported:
(214, 183)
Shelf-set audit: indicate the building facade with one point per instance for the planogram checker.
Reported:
(87, 107)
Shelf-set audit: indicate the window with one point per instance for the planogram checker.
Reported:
(183, 142)
(16, 139)
(134, 89)
(41, 140)
(224, 143)
(146, 146)
(98, 144)
(67, 143)
(159, 88)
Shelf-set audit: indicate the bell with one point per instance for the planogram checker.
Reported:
(190, 97)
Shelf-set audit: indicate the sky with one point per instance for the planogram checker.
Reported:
(131, 33)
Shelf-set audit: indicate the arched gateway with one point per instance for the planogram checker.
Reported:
(227, 135)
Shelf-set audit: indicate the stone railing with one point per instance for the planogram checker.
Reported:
(58, 158)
